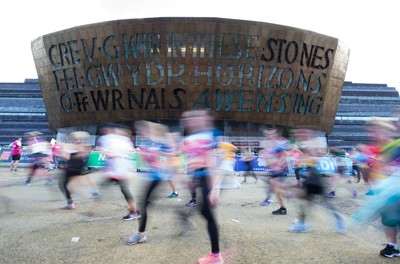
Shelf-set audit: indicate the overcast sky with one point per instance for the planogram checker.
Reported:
(368, 28)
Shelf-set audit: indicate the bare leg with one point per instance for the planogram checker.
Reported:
(278, 191)
(132, 205)
(391, 234)
(173, 186)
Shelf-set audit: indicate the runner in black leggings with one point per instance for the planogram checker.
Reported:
(75, 155)
(198, 144)
(151, 156)
(74, 167)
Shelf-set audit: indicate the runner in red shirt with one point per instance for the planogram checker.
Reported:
(16, 150)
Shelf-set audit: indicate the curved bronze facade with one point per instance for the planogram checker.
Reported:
(156, 68)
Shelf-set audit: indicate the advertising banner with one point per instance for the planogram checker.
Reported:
(325, 165)
(6, 157)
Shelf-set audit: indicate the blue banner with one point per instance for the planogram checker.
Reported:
(325, 165)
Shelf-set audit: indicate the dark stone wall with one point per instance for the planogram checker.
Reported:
(22, 109)
(358, 103)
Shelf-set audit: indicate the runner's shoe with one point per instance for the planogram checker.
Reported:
(69, 206)
(173, 195)
(298, 227)
(389, 251)
(370, 193)
(131, 216)
(95, 194)
(136, 238)
(340, 226)
(266, 202)
(211, 259)
(191, 203)
(331, 195)
(280, 211)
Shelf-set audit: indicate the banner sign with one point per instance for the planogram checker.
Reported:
(6, 157)
(325, 165)
(96, 159)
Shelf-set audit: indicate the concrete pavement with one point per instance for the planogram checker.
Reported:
(34, 230)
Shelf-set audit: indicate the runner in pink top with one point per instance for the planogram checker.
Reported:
(16, 150)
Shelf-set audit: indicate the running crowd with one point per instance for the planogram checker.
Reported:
(209, 161)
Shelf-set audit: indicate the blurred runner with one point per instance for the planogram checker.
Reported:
(157, 135)
(385, 179)
(75, 155)
(174, 160)
(312, 185)
(247, 157)
(39, 152)
(117, 145)
(226, 158)
(275, 153)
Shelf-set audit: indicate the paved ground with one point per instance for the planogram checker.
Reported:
(34, 230)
